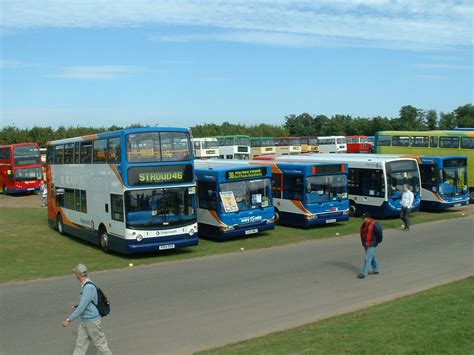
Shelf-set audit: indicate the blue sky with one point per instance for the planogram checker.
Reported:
(104, 62)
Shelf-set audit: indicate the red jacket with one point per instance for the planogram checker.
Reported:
(370, 233)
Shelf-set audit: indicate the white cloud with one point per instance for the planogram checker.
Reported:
(12, 64)
(99, 72)
(419, 24)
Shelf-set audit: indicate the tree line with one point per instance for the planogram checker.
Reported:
(304, 124)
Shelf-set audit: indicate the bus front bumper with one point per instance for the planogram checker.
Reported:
(438, 205)
(152, 245)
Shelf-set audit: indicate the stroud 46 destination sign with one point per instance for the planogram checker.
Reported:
(245, 174)
(164, 174)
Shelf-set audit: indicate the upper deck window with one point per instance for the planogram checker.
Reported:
(26, 154)
(467, 142)
(420, 141)
(449, 142)
(401, 141)
(434, 142)
(242, 141)
(154, 147)
(384, 140)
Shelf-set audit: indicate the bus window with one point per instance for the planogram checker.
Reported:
(69, 153)
(467, 143)
(276, 185)
(384, 140)
(5, 153)
(434, 142)
(197, 145)
(114, 152)
(429, 177)
(86, 152)
(449, 142)
(100, 149)
(143, 147)
(293, 187)
(69, 199)
(325, 188)
(249, 194)
(174, 146)
(50, 155)
(400, 173)
(77, 152)
(400, 141)
(366, 182)
(419, 141)
(207, 195)
(77, 199)
(116, 204)
(58, 154)
(83, 201)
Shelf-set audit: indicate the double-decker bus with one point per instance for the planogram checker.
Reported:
(309, 144)
(307, 193)
(262, 146)
(234, 147)
(288, 146)
(128, 191)
(206, 148)
(332, 144)
(375, 184)
(21, 169)
(234, 199)
(359, 144)
(455, 142)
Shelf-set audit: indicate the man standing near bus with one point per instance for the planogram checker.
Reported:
(90, 327)
(406, 204)
(371, 236)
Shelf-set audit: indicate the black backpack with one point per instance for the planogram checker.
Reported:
(103, 304)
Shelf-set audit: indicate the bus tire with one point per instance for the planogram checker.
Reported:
(59, 224)
(352, 209)
(103, 239)
(471, 196)
(277, 216)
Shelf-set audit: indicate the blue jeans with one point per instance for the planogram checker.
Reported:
(370, 259)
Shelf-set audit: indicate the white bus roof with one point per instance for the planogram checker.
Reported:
(222, 163)
(205, 139)
(341, 158)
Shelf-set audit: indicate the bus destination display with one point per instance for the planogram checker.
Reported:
(245, 174)
(153, 175)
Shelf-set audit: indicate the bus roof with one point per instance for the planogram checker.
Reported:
(436, 132)
(205, 139)
(18, 145)
(340, 158)
(119, 133)
(221, 164)
(233, 136)
(261, 138)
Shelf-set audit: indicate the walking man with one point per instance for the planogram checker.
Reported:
(406, 204)
(370, 235)
(90, 327)
(44, 194)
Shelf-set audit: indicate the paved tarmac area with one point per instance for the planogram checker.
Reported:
(181, 307)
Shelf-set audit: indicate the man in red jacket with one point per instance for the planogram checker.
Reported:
(370, 235)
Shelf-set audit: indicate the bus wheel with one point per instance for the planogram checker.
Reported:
(471, 196)
(352, 209)
(277, 216)
(59, 224)
(103, 240)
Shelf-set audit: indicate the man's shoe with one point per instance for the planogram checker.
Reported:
(361, 275)
(374, 272)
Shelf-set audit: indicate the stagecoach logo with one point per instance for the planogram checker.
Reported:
(87, 222)
(251, 219)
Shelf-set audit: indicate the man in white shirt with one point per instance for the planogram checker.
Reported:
(406, 203)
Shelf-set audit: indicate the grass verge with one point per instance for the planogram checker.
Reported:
(31, 249)
(430, 322)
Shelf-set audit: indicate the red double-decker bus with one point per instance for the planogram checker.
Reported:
(21, 169)
(359, 144)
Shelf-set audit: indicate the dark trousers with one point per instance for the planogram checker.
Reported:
(405, 216)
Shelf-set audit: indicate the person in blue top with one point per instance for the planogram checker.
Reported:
(90, 327)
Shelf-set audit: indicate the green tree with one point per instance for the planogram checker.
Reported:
(464, 116)
(431, 119)
(447, 120)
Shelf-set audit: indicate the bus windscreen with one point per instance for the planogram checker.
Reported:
(326, 188)
(26, 155)
(400, 173)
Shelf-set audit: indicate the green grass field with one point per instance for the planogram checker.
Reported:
(31, 249)
(436, 321)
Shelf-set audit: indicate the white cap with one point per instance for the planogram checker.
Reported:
(80, 269)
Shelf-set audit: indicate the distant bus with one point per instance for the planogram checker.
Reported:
(288, 145)
(20, 168)
(332, 144)
(205, 148)
(235, 199)
(307, 194)
(309, 144)
(371, 139)
(358, 144)
(443, 182)
(375, 184)
(234, 147)
(430, 143)
(262, 146)
(128, 191)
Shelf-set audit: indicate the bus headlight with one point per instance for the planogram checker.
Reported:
(139, 237)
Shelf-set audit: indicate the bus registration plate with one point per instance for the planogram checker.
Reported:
(251, 231)
(332, 220)
(457, 205)
(166, 247)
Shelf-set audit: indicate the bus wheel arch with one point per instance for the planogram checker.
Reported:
(59, 224)
(277, 215)
(353, 208)
(103, 238)
(471, 195)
